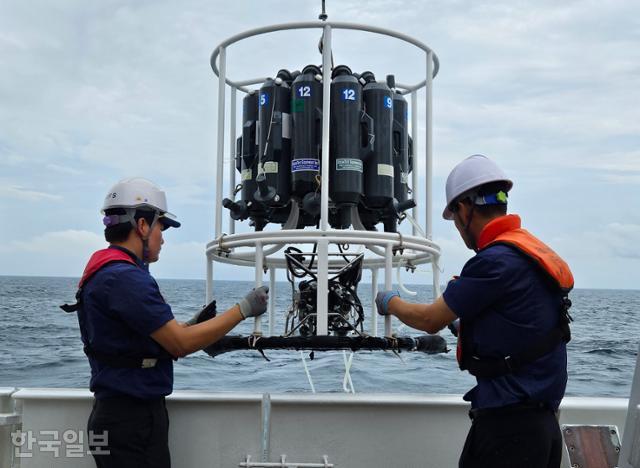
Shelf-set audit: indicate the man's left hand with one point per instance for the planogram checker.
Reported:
(207, 312)
(382, 301)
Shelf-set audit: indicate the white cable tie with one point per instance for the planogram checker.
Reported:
(306, 370)
(402, 286)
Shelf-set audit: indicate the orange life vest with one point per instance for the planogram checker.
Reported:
(100, 259)
(506, 230)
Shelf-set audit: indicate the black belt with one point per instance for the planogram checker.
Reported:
(129, 401)
(509, 409)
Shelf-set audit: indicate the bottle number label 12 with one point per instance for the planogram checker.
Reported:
(304, 91)
(349, 94)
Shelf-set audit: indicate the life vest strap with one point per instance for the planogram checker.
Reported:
(496, 367)
(127, 362)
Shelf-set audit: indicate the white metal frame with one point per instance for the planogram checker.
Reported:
(415, 249)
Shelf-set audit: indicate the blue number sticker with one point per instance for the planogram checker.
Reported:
(388, 102)
(304, 91)
(264, 99)
(348, 94)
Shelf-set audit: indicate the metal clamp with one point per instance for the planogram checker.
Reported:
(9, 419)
(283, 463)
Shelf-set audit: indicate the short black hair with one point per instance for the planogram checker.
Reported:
(486, 211)
(120, 232)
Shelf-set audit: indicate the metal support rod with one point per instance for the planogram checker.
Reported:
(388, 284)
(374, 311)
(323, 287)
(428, 222)
(257, 328)
(220, 142)
(323, 245)
(232, 163)
(209, 284)
(436, 278)
(283, 463)
(326, 109)
(266, 427)
(272, 299)
(414, 172)
(632, 421)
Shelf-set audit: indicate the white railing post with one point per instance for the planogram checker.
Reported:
(232, 164)
(629, 436)
(272, 299)
(326, 109)
(374, 310)
(220, 142)
(436, 277)
(257, 328)
(322, 300)
(428, 222)
(323, 245)
(414, 172)
(209, 283)
(388, 283)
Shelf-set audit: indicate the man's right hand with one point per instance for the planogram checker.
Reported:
(254, 303)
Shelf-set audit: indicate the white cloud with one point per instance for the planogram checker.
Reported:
(51, 241)
(64, 169)
(58, 253)
(20, 193)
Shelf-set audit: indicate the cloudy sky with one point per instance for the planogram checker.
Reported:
(94, 91)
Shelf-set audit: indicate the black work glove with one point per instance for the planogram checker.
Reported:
(207, 312)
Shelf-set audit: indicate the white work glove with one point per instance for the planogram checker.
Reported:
(254, 303)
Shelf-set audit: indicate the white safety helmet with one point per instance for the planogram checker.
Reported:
(471, 173)
(133, 194)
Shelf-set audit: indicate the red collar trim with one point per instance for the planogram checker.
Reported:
(497, 226)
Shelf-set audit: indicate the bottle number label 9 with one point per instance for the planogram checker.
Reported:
(349, 94)
(388, 102)
(304, 91)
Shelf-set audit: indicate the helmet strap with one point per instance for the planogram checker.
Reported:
(145, 239)
(145, 252)
(467, 226)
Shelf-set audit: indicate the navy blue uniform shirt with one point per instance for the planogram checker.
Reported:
(121, 306)
(513, 305)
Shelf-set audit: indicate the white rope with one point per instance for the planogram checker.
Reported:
(415, 224)
(306, 370)
(399, 356)
(347, 383)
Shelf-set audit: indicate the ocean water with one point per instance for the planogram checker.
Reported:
(40, 346)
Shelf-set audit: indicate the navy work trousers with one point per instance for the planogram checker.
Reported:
(138, 433)
(513, 437)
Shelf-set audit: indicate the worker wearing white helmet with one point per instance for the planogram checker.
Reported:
(509, 309)
(130, 335)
